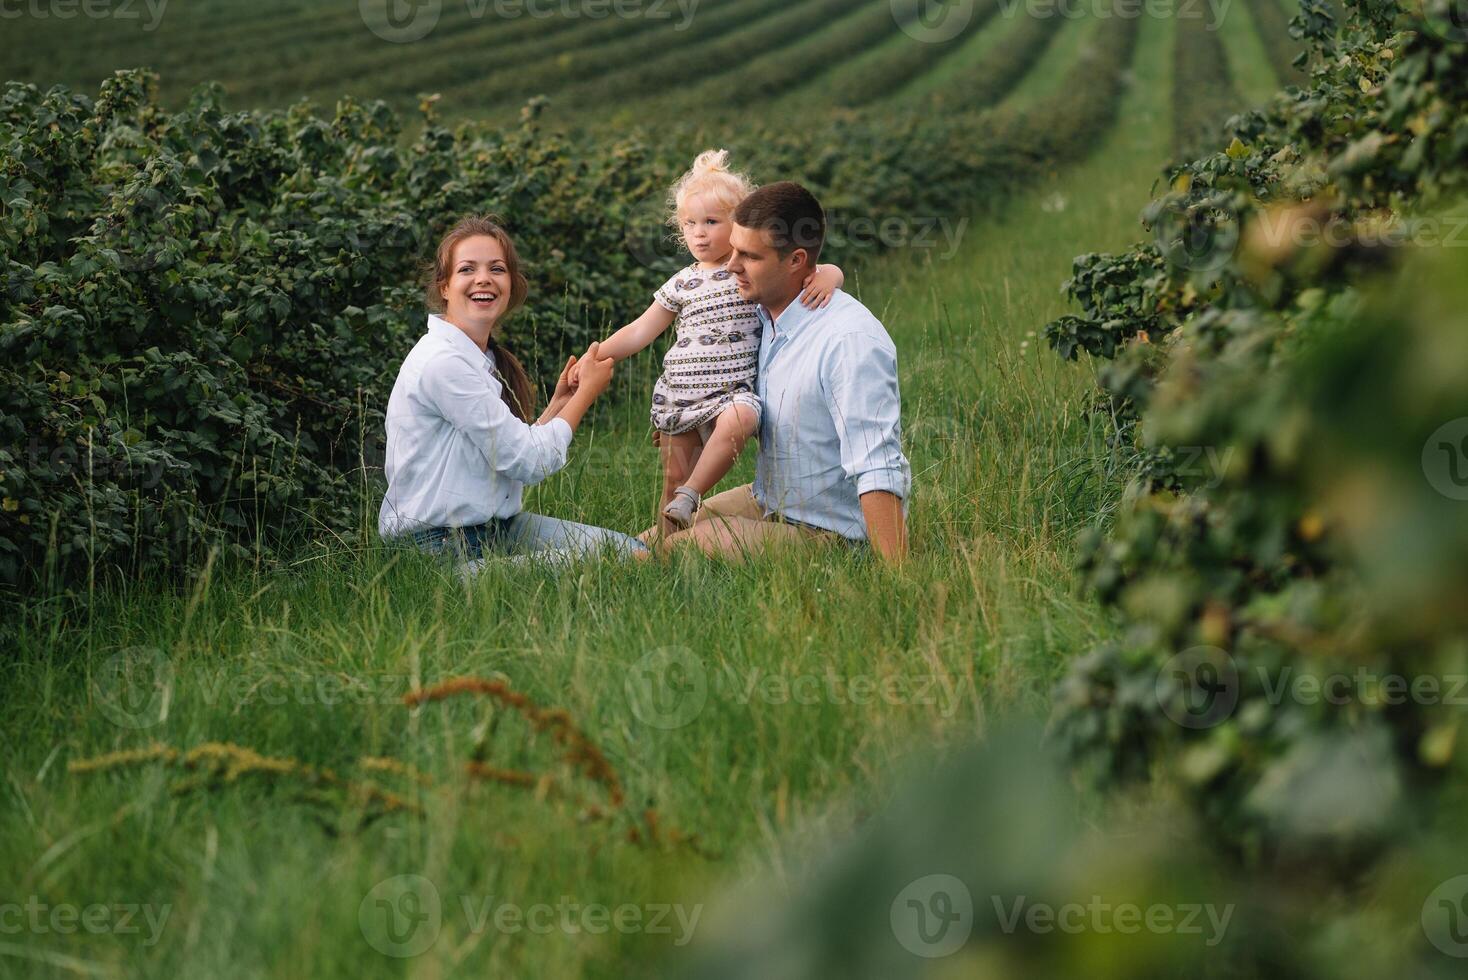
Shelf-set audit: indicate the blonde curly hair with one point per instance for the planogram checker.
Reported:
(710, 174)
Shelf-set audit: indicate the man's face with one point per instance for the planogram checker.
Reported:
(761, 274)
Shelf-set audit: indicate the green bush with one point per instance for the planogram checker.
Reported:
(1281, 377)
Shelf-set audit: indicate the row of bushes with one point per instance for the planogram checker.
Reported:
(1288, 361)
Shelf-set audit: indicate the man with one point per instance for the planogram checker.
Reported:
(830, 464)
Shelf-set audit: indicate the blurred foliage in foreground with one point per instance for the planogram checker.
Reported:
(1289, 362)
(982, 869)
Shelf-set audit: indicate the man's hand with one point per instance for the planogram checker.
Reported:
(886, 525)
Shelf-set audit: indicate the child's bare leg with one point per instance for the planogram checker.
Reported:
(680, 455)
(732, 430)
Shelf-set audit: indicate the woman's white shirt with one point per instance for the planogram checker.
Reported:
(456, 456)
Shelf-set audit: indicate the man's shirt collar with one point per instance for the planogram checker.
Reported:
(791, 319)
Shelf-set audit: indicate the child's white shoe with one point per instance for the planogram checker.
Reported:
(682, 507)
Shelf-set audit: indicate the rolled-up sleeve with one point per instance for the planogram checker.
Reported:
(861, 389)
(524, 453)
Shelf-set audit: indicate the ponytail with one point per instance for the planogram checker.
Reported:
(515, 386)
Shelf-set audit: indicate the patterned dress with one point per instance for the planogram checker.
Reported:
(713, 363)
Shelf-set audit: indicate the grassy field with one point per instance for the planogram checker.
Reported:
(747, 706)
(310, 663)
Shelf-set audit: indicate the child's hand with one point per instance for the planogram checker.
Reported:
(596, 371)
(817, 289)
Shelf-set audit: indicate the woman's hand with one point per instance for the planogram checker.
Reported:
(565, 388)
(566, 384)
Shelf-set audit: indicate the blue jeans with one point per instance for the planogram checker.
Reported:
(525, 534)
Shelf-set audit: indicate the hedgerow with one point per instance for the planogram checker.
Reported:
(1280, 377)
(1203, 94)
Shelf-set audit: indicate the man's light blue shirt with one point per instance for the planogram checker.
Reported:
(831, 429)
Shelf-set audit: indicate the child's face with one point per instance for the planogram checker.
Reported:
(705, 225)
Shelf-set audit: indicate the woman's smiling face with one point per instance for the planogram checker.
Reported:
(478, 290)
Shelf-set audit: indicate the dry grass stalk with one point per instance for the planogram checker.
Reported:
(581, 752)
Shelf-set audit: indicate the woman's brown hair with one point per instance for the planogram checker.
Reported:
(518, 392)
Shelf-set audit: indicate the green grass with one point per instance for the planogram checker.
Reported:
(978, 49)
(983, 619)
(1048, 75)
(1248, 59)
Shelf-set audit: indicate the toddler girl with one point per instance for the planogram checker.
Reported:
(704, 407)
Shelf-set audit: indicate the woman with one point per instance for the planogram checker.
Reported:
(460, 444)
